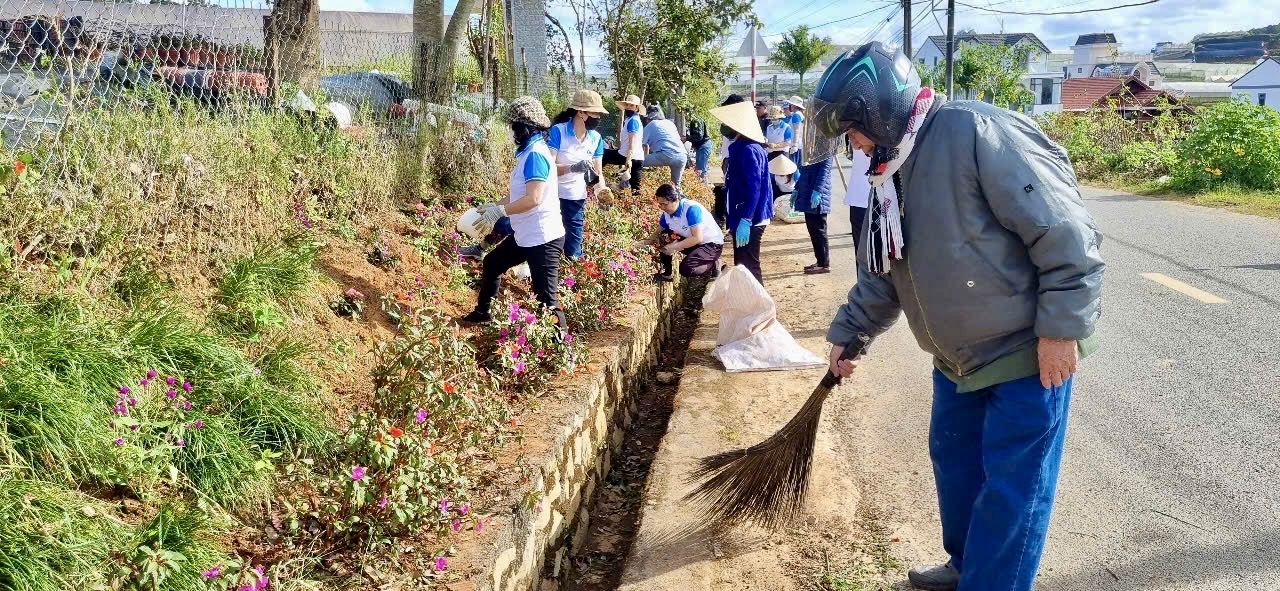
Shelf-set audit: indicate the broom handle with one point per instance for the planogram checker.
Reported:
(851, 351)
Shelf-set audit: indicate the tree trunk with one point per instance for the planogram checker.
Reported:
(582, 38)
(293, 32)
(801, 93)
(436, 47)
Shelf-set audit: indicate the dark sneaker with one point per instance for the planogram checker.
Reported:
(938, 577)
(473, 251)
(662, 277)
(815, 270)
(476, 317)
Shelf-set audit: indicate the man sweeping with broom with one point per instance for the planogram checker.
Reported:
(987, 248)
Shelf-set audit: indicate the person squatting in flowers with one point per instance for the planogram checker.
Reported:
(995, 263)
(537, 229)
(699, 237)
(577, 149)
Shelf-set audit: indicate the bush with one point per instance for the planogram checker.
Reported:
(528, 347)
(1231, 143)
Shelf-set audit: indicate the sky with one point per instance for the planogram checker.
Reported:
(1137, 29)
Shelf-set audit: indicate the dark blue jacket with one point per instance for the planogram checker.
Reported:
(814, 178)
(748, 192)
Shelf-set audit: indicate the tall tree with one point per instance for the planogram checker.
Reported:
(293, 42)
(799, 51)
(995, 72)
(436, 47)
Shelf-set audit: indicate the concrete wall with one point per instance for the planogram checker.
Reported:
(530, 553)
(529, 32)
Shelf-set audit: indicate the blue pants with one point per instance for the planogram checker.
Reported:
(798, 158)
(572, 212)
(995, 457)
(701, 156)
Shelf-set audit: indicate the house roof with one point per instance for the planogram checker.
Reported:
(1092, 38)
(992, 39)
(1079, 94)
(1262, 62)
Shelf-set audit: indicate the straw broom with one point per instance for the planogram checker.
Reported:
(765, 484)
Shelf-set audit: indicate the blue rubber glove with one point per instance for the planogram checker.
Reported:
(742, 235)
(814, 198)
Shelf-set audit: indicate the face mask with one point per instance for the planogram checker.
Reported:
(728, 132)
(592, 123)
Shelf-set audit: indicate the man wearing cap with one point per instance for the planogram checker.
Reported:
(747, 189)
(577, 150)
(987, 248)
(630, 153)
(662, 144)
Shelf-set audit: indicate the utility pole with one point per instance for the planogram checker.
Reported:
(951, 46)
(753, 34)
(906, 29)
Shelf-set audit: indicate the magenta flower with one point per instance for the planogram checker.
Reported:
(357, 472)
(529, 318)
(455, 525)
(212, 573)
(171, 394)
(180, 443)
(515, 354)
(382, 503)
(169, 381)
(464, 509)
(144, 382)
(133, 427)
(520, 340)
(569, 281)
(124, 390)
(132, 401)
(120, 410)
(444, 506)
(441, 564)
(151, 374)
(518, 369)
(514, 314)
(502, 332)
(540, 354)
(186, 405)
(198, 424)
(420, 417)
(568, 338)
(118, 442)
(186, 387)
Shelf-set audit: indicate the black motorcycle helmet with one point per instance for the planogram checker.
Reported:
(871, 89)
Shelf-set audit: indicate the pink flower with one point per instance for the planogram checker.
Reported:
(170, 381)
(198, 424)
(382, 503)
(520, 340)
(353, 294)
(513, 312)
(441, 564)
(444, 506)
(540, 354)
(180, 443)
(420, 417)
(568, 338)
(464, 509)
(186, 387)
(455, 525)
(212, 573)
(118, 442)
(124, 390)
(132, 401)
(479, 525)
(529, 318)
(357, 472)
(151, 374)
(186, 405)
(171, 394)
(502, 332)
(569, 281)
(518, 369)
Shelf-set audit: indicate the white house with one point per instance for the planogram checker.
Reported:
(1261, 84)
(1097, 55)
(1041, 75)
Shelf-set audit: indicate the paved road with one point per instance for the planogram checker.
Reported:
(1170, 478)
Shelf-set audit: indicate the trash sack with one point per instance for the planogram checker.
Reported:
(521, 271)
(782, 211)
(750, 337)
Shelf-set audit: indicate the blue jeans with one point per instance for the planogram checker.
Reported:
(572, 212)
(676, 161)
(995, 457)
(798, 158)
(701, 157)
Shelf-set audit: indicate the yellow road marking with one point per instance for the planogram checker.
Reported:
(1184, 289)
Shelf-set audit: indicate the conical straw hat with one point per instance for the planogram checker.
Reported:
(781, 164)
(741, 117)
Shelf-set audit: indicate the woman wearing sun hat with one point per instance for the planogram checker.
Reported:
(778, 135)
(748, 193)
(537, 230)
(630, 137)
(578, 150)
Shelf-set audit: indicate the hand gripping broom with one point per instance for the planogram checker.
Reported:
(765, 484)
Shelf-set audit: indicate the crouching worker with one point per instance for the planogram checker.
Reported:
(537, 229)
(699, 236)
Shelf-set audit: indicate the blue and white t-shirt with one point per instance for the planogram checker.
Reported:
(779, 132)
(797, 128)
(569, 150)
(690, 214)
(541, 224)
(631, 138)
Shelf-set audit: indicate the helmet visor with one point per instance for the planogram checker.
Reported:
(824, 133)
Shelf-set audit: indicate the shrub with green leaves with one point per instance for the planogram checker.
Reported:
(528, 346)
(1230, 143)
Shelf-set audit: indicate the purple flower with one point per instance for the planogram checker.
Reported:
(180, 443)
(124, 390)
(464, 509)
(186, 405)
(357, 472)
(520, 340)
(502, 332)
(518, 369)
(479, 525)
(444, 506)
(568, 338)
(441, 564)
(169, 381)
(541, 354)
(529, 318)
(171, 394)
(118, 442)
(186, 386)
(132, 401)
(151, 374)
(133, 427)
(455, 525)
(120, 410)
(420, 417)
(144, 382)
(212, 573)
(382, 503)
(515, 354)
(514, 315)
(198, 424)
(568, 281)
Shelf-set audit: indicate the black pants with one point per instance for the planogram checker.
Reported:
(749, 255)
(615, 158)
(698, 260)
(719, 210)
(544, 270)
(857, 215)
(817, 226)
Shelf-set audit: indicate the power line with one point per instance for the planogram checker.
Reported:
(859, 15)
(792, 15)
(1058, 13)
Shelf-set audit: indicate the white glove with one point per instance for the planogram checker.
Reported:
(489, 216)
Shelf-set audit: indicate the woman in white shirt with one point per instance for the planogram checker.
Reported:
(778, 135)
(856, 196)
(538, 232)
(578, 150)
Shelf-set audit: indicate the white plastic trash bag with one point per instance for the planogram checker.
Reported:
(750, 337)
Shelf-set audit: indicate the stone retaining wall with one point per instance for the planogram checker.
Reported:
(530, 553)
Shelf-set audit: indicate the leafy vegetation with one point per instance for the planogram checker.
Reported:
(799, 51)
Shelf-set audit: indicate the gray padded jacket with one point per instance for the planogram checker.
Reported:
(999, 247)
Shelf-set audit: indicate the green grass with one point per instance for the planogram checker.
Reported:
(53, 539)
(253, 287)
